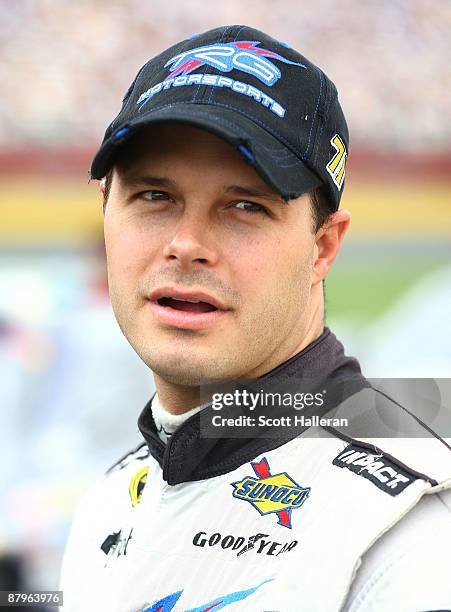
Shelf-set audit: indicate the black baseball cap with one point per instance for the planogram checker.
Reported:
(279, 110)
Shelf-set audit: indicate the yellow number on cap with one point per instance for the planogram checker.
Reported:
(336, 166)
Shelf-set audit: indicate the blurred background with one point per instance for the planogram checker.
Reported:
(70, 386)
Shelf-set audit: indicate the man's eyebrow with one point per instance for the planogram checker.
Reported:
(256, 192)
(154, 181)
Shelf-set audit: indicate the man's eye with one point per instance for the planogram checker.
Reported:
(251, 207)
(153, 195)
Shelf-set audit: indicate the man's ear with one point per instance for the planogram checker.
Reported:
(327, 243)
(102, 186)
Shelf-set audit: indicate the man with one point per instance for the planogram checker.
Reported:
(222, 176)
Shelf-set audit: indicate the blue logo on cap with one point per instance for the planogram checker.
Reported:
(246, 56)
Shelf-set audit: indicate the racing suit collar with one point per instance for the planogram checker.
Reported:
(187, 456)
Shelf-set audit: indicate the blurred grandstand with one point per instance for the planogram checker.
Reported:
(70, 387)
(66, 64)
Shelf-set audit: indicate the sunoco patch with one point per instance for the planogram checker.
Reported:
(267, 493)
(381, 471)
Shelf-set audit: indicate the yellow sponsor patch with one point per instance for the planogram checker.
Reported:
(137, 484)
(268, 493)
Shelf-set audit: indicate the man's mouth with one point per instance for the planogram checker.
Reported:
(186, 305)
(184, 308)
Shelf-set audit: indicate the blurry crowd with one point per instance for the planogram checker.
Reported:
(65, 65)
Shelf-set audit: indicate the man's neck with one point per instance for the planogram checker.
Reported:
(178, 399)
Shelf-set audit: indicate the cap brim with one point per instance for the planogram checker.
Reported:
(275, 163)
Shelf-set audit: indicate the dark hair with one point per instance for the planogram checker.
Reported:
(322, 207)
(106, 193)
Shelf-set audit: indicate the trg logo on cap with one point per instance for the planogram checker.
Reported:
(245, 56)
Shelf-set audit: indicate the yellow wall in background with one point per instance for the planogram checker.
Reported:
(41, 213)
(395, 209)
(66, 212)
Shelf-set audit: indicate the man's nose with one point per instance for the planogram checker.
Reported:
(191, 243)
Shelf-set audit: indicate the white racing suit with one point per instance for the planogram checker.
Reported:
(309, 521)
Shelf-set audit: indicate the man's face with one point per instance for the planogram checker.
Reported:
(186, 213)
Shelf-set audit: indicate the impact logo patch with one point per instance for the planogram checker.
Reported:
(243, 55)
(137, 484)
(381, 471)
(278, 494)
(337, 165)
